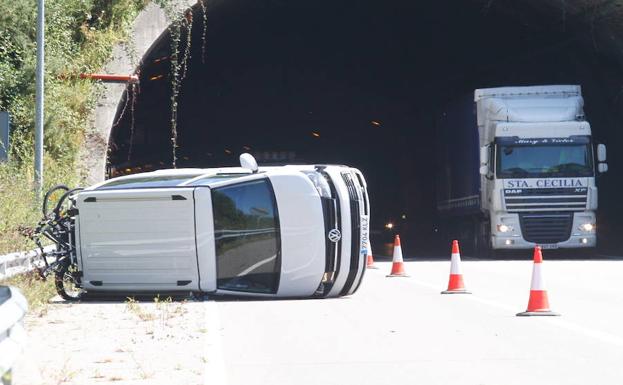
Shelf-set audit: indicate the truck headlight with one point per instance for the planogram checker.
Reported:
(320, 183)
(588, 227)
(505, 228)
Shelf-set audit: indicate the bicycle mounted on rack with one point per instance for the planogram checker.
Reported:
(58, 226)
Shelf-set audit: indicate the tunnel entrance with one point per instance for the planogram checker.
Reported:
(357, 83)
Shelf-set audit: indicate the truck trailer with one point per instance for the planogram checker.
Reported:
(517, 168)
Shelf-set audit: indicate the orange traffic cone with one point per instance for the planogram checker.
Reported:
(370, 262)
(398, 268)
(538, 303)
(455, 284)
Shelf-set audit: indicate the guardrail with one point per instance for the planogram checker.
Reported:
(20, 262)
(13, 307)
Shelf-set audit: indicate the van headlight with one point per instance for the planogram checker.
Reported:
(588, 227)
(505, 228)
(320, 183)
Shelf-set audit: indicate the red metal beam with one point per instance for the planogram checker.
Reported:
(111, 78)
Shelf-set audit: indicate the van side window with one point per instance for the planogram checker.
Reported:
(247, 237)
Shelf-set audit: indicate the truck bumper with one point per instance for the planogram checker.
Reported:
(516, 243)
(514, 239)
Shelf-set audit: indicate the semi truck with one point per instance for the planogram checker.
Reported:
(517, 168)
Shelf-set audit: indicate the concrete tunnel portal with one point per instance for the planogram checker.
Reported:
(357, 83)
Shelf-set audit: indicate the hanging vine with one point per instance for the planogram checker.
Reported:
(188, 26)
(134, 91)
(178, 61)
(175, 31)
(204, 35)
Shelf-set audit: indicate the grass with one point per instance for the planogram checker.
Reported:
(19, 207)
(161, 312)
(80, 35)
(37, 291)
(133, 306)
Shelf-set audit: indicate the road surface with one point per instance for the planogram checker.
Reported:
(392, 331)
(402, 331)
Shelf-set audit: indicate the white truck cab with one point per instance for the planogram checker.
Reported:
(288, 231)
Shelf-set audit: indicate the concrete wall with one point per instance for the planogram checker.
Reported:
(148, 26)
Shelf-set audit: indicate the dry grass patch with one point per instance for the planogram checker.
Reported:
(37, 291)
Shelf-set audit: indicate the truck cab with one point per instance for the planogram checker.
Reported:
(538, 164)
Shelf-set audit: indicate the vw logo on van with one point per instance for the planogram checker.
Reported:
(335, 235)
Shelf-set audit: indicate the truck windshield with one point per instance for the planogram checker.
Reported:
(566, 160)
(247, 237)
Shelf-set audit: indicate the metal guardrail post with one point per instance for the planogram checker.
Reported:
(39, 96)
(5, 122)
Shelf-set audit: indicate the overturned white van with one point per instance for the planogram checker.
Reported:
(287, 231)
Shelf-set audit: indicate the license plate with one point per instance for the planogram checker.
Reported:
(549, 246)
(365, 231)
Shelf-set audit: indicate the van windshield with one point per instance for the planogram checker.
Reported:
(247, 237)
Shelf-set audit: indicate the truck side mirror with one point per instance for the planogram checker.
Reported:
(601, 152)
(484, 160)
(602, 167)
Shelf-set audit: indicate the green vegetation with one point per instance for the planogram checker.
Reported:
(80, 35)
(36, 290)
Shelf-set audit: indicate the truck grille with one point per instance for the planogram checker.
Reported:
(547, 227)
(534, 200)
(355, 216)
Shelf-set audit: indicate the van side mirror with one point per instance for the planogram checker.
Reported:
(601, 152)
(484, 160)
(602, 167)
(248, 161)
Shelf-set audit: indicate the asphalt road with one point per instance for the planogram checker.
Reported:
(402, 331)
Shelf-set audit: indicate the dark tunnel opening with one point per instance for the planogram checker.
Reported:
(356, 83)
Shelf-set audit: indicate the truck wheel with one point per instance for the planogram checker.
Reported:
(482, 242)
(66, 282)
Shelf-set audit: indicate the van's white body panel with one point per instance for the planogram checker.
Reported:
(138, 240)
(302, 234)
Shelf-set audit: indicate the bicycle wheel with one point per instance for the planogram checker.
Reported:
(63, 202)
(66, 282)
(52, 198)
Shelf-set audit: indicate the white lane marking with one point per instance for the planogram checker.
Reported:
(255, 266)
(215, 373)
(602, 336)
